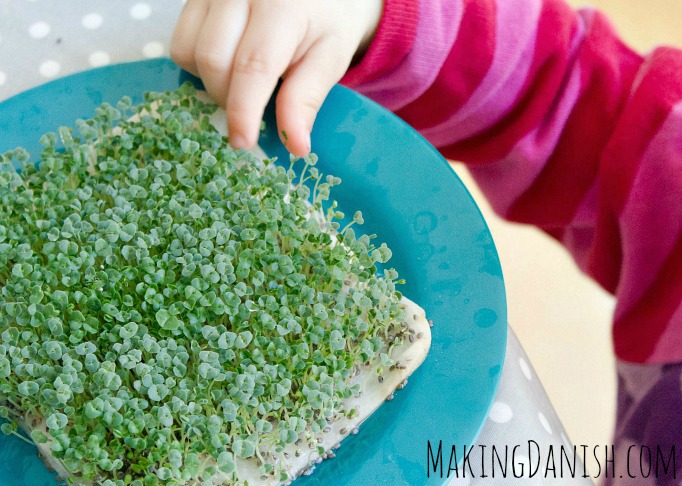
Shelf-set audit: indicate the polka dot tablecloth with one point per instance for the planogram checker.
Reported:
(44, 39)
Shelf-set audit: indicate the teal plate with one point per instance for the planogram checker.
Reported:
(413, 200)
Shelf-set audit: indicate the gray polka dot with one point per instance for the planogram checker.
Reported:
(525, 369)
(544, 422)
(99, 58)
(49, 68)
(39, 30)
(153, 49)
(92, 21)
(140, 11)
(500, 413)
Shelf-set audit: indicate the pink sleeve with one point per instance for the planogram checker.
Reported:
(564, 127)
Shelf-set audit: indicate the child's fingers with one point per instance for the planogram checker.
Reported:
(264, 53)
(186, 33)
(305, 88)
(215, 50)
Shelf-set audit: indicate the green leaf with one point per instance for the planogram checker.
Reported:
(195, 211)
(28, 388)
(57, 421)
(100, 246)
(244, 448)
(158, 392)
(5, 368)
(166, 320)
(226, 462)
(38, 436)
(288, 436)
(128, 232)
(248, 234)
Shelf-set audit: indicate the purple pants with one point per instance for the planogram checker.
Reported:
(648, 435)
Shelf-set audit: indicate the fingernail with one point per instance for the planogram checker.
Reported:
(308, 142)
(237, 142)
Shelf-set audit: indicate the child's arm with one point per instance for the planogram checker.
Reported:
(564, 127)
(240, 48)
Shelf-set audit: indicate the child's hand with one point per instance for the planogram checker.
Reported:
(240, 48)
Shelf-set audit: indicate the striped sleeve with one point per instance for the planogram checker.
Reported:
(563, 126)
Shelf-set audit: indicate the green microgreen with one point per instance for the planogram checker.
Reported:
(169, 305)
